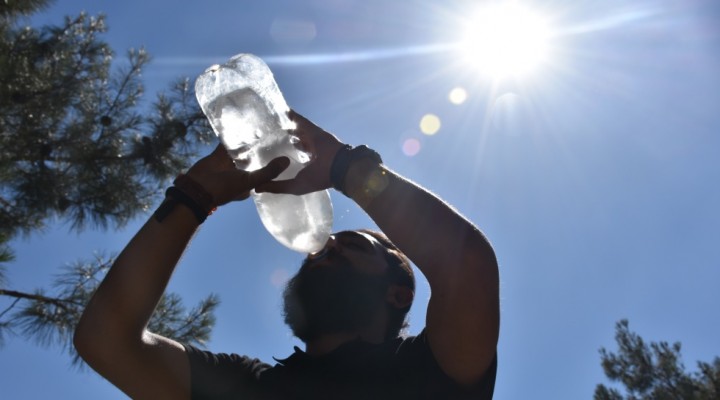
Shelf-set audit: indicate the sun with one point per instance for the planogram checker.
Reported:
(506, 39)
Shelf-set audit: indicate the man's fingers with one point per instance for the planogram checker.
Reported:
(268, 172)
(304, 125)
(289, 186)
(242, 196)
(218, 154)
(295, 117)
(219, 148)
(221, 154)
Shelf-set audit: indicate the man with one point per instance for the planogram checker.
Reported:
(347, 303)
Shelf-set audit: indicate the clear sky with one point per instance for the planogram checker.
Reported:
(595, 174)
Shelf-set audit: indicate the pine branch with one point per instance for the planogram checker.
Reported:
(51, 319)
(5, 311)
(36, 297)
(137, 60)
(5, 203)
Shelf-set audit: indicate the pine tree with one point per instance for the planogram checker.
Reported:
(654, 371)
(77, 145)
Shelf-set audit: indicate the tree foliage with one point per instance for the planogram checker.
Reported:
(14, 8)
(50, 318)
(77, 144)
(654, 371)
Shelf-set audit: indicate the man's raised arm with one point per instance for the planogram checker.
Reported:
(111, 335)
(458, 261)
(463, 313)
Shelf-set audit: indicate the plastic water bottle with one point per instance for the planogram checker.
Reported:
(249, 114)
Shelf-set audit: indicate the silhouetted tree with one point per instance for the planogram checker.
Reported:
(654, 371)
(77, 145)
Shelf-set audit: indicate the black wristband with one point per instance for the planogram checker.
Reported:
(341, 163)
(339, 167)
(196, 192)
(164, 210)
(175, 196)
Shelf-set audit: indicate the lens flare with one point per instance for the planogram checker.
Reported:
(411, 147)
(457, 96)
(430, 124)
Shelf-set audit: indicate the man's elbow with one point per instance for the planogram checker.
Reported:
(93, 339)
(85, 340)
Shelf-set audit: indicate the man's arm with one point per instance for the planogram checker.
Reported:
(455, 257)
(458, 261)
(111, 335)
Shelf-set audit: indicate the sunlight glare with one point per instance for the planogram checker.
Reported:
(506, 39)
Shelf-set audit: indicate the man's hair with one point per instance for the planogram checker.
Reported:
(399, 273)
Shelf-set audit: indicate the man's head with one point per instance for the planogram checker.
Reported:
(358, 277)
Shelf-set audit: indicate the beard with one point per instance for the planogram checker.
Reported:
(334, 298)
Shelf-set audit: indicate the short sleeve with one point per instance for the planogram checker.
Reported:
(415, 352)
(220, 376)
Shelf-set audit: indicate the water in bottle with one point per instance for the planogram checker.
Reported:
(249, 114)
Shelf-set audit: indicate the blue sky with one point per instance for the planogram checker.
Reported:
(595, 177)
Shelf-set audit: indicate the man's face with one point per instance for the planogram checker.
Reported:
(340, 289)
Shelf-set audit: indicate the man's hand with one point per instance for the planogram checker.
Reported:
(218, 176)
(322, 147)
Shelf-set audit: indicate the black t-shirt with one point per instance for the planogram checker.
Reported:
(403, 368)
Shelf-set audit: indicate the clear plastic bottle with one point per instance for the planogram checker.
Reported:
(249, 114)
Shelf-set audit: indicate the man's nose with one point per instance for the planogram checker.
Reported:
(331, 242)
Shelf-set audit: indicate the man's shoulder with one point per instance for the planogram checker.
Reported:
(223, 363)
